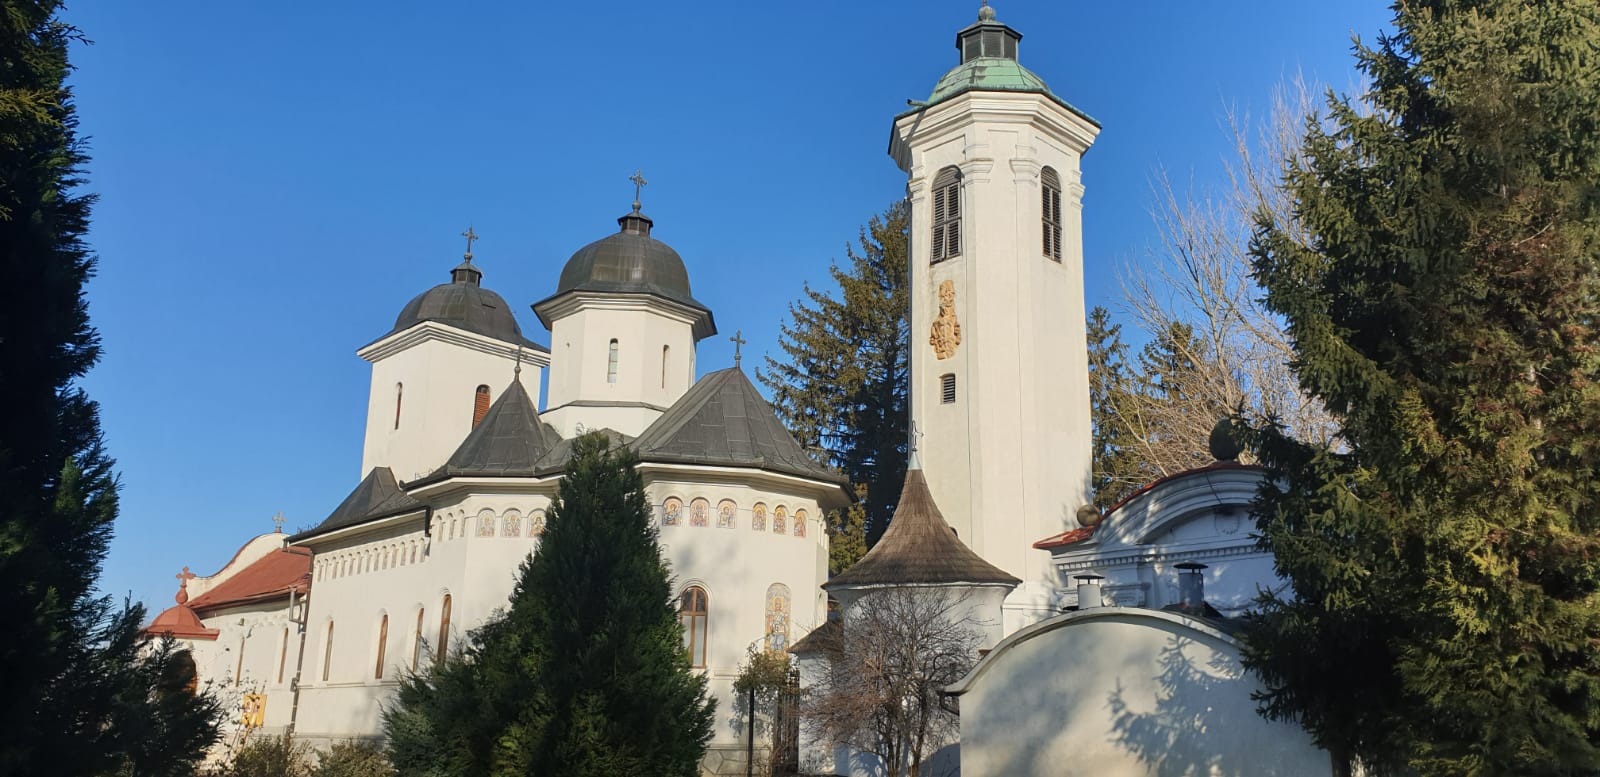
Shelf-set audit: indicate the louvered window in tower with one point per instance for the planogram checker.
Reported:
(947, 388)
(947, 214)
(1050, 219)
(480, 404)
(611, 363)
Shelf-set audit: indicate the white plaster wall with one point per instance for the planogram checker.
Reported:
(580, 354)
(255, 633)
(1008, 462)
(440, 379)
(1123, 693)
(249, 553)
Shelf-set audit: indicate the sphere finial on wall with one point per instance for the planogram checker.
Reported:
(1224, 442)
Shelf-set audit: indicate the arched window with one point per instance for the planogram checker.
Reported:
(327, 652)
(444, 627)
(947, 214)
(778, 617)
(480, 404)
(283, 653)
(666, 356)
(611, 363)
(416, 642)
(1050, 199)
(692, 615)
(383, 647)
(399, 394)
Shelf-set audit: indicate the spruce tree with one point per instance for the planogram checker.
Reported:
(586, 673)
(1444, 613)
(1116, 471)
(82, 694)
(842, 387)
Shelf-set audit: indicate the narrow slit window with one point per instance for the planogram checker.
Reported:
(1050, 219)
(399, 396)
(611, 363)
(946, 215)
(480, 404)
(416, 642)
(383, 647)
(666, 355)
(947, 388)
(327, 652)
(444, 628)
(283, 653)
(692, 615)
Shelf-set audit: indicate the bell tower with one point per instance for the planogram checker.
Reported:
(999, 366)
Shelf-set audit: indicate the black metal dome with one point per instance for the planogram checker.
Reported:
(464, 304)
(629, 261)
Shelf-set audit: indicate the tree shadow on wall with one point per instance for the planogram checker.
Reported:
(1195, 728)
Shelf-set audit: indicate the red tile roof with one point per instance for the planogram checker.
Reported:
(1065, 538)
(181, 622)
(270, 577)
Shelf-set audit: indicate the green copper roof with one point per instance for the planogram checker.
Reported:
(993, 74)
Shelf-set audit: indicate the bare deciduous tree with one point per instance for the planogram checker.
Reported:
(880, 693)
(1199, 277)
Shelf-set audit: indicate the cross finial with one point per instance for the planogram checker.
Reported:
(183, 585)
(277, 522)
(470, 236)
(738, 342)
(914, 447)
(638, 187)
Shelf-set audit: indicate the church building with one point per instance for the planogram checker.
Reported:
(1097, 628)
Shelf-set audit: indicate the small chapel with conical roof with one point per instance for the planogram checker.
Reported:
(1079, 610)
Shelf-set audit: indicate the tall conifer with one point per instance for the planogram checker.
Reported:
(1444, 617)
(586, 674)
(842, 386)
(81, 696)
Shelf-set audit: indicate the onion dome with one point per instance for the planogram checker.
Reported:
(989, 63)
(465, 304)
(630, 261)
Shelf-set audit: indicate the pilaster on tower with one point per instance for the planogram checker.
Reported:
(999, 366)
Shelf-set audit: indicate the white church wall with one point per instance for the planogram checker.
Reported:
(251, 552)
(432, 372)
(1117, 692)
(253, 641)
(641, 387)
(740, 560)
(998, 457)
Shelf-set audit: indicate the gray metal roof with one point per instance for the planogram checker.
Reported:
(919, 548)
(723, 421)
(509, 441)
(630, 262)
(464, 304)
(556, 459)
(377, 496)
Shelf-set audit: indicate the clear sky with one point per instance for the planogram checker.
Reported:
(276, 180)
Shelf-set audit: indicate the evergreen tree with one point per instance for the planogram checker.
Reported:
(842, 388)
(1115, 470)
(82, 697)
(1445, 609)
(586, 674)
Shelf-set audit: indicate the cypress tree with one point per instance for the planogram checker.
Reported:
(843, 387)
(1445, 561)
(82, 696)
(586, 673)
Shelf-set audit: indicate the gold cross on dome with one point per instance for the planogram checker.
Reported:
(277, 522)
(470, 236)
(738, 341)
(638, 187)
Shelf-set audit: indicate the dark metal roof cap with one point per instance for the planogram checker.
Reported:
(464, 304)
(377, 496)
(629, 261)
(509, 441)
(919, 548)
(723, 421)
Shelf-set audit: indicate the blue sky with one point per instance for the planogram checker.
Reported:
(277, 180)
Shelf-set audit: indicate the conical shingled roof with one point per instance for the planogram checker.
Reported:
(377, 496)
(723, 421)
(508, 441)
(919, 548)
